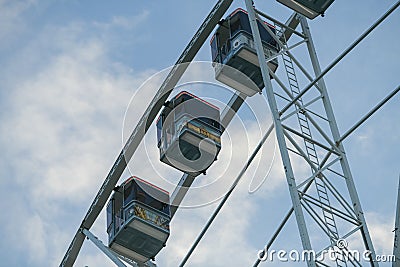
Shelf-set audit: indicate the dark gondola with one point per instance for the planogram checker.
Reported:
(234, 55)
(138, 217)
(189, 133)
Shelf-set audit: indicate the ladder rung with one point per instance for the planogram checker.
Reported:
(332, 225)
(313, 155)
(305, 120)
(322, 191)
(326, 198)
(329, 217)
(287, 60)
(315, 163)
(304, 123)
(291, 73)
(289, 67)
(305, 126)
(310, 147)
(306, 132)
(307, 141)
(303, 117)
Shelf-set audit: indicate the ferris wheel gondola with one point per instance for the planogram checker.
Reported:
(138, 217)
(234, 55)
(189, 133)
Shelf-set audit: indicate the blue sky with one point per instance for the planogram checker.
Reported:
(69, 69)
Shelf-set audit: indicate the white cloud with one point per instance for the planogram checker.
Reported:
(35, 239)
(381, 229)
(62, 132)
(123, 22)
(11, 17)
(63, 115)
(225, 237)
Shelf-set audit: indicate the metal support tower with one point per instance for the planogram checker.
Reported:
(307, 134)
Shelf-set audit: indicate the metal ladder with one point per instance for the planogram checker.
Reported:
(311, 152)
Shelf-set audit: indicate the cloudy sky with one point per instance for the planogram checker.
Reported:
(71, 79)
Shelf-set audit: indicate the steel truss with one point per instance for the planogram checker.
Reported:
(308, 134)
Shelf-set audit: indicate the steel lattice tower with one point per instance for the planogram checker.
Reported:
(306, 129)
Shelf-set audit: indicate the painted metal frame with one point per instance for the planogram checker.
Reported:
(333, 203)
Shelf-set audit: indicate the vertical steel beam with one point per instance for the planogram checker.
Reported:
(396, 246)
(336, 136)
(304, 236)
